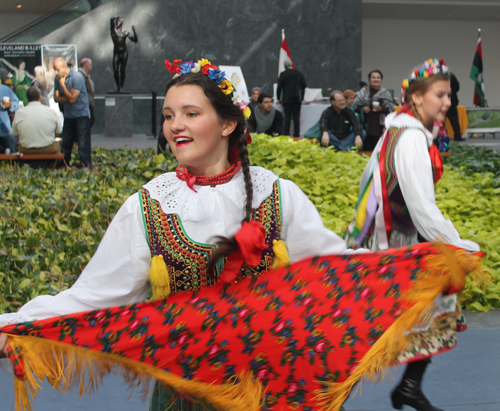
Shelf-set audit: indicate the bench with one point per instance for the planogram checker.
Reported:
(24, 157)
(35, 161)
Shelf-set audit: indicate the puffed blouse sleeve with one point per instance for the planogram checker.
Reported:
(303, 230)
(116, 274)
(414, 171)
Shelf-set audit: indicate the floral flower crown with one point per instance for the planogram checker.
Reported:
(429, 68)
(204, 66)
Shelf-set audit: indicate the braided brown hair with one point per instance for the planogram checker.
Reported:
(226, 111)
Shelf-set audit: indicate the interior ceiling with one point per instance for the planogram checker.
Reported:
(386, 9)
(31, 6)
(432, 9)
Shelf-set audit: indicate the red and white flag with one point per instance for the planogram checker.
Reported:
(284, 54)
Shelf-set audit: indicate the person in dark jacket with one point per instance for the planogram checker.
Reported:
(452, 113)
(265, 118)
(291, 87)
(339, 125)
(85, 67)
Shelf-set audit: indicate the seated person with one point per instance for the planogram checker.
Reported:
(37, 126)
(339, 125)
(350, 96)
(265, 118)
(254, 101)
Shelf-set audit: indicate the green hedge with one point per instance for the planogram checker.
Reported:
(52, 221)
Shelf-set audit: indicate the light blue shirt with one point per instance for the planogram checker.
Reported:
(5, 91)
(80, 108)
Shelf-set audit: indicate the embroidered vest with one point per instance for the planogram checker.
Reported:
(186, 260)
(401, 220)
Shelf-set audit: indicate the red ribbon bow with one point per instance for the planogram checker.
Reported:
(251, 239)
(182, 173)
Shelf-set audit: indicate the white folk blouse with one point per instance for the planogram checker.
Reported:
(416, 181)
(117, 273)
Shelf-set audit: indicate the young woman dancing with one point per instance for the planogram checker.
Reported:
(397, 208)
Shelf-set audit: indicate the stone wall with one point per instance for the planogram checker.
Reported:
(324, 37)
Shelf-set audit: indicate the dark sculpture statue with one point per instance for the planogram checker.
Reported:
(120, 52)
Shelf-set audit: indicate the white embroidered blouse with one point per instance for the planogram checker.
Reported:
(117, 273)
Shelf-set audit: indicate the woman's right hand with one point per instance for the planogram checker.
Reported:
(366, 109)
(3, 345)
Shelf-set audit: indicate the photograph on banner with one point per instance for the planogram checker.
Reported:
(17, 66)
(52, 51)
(480, 118)
(235, 76)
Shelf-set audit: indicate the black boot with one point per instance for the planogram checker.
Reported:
(409, 391)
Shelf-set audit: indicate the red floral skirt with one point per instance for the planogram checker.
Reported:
(297, 338)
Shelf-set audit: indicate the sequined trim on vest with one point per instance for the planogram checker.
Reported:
(186, 259)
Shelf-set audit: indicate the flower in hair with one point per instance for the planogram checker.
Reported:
(207, 68)
(186, 67)
(247, 112)
(218, 76)
(172, 68)
(196, 68)
(226, 87)
(429, 68)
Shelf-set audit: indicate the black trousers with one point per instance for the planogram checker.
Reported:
(455, 124)
(370, 142)
(292, 109)
(77, 130)
(92, 116)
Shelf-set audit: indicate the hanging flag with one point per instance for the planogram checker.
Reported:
(476, 74)
(284, 54)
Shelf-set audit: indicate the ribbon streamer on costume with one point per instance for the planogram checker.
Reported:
(437, 163)
(385, 193)
(251, 239)
(182, 173)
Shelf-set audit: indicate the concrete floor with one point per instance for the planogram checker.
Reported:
(465, 379)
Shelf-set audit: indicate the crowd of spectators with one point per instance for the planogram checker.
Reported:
(33, 129)
(353, 118)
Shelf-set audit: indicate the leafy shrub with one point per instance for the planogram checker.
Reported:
(52, 221)
(475, 159)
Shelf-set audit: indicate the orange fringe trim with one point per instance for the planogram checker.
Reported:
(446, 271)
(66, 366)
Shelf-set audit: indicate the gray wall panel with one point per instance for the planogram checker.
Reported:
(324, 37)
